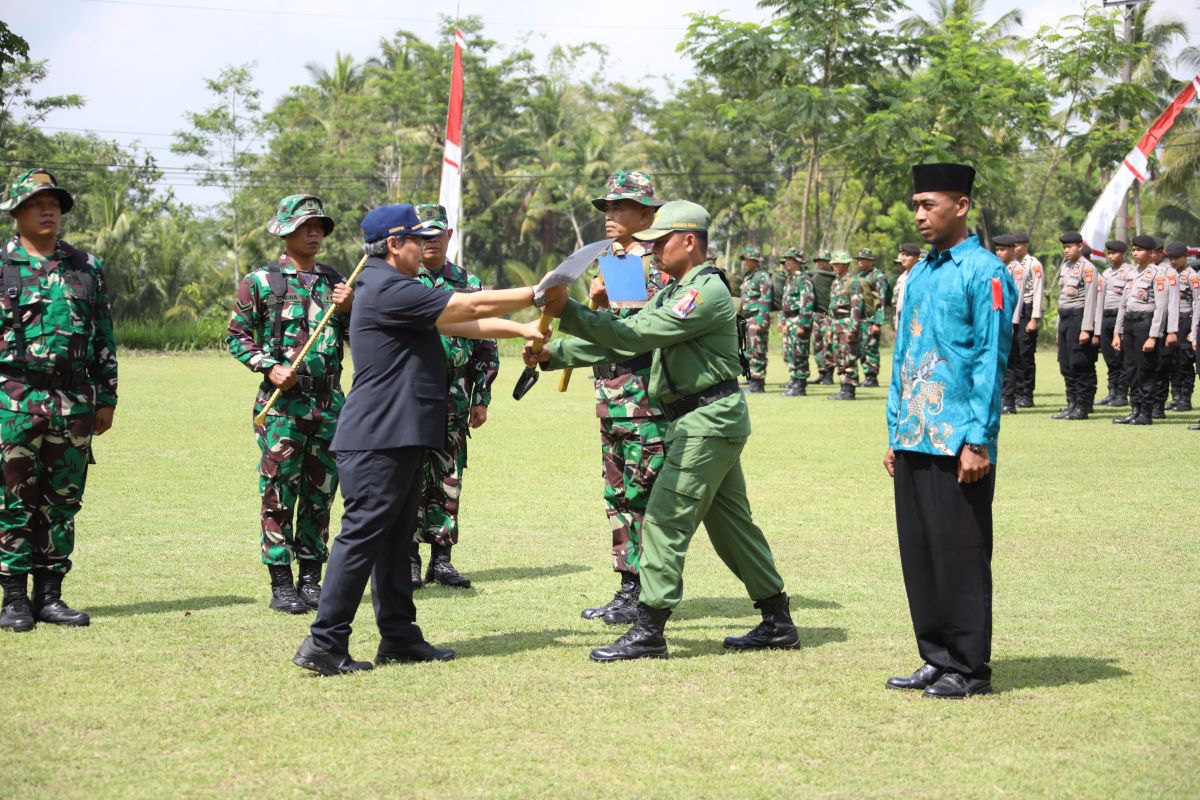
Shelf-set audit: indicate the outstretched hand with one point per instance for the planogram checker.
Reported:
(532, 333)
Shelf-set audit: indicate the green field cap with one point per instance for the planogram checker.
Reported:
(677, 215)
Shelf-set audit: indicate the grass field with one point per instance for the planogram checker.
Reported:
(183, 684)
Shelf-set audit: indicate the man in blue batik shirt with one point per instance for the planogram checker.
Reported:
(943, 416)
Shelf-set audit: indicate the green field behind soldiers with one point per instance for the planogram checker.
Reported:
(183, 685)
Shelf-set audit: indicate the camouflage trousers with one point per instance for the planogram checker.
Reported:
(795, 348)
(441, 486)
(841, 348)
(297, 476)
(820, 333)
(870, 350)
(45, 461)
(632, 453)
(756, 351)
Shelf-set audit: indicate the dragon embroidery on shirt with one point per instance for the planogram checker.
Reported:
(921, 400)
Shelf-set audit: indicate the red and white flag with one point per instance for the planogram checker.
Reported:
(450, 194)
(1100, 219)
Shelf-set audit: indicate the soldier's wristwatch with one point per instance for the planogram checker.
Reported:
(978, 449)
(539, 297)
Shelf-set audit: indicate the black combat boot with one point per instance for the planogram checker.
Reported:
(1144, 414)
(1120, 397)
(797, 389)
(1067, 409)
(1025, 401)
(442, 571)
(308, 586)
(48, 604)
(415, 563)
(624, 608)
(775, 632)
(283, 591)
(1112, 394)
(870, 382)
(846, 393)
(1008, 405)
(1195, 427)
(17, 615)
(755, 386)
(1134, 411)
(629, 586)
(1157, 411)
(644, 640)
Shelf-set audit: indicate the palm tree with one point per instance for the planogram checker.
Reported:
(1001, 32)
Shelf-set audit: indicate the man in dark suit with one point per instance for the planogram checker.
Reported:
(395, 412)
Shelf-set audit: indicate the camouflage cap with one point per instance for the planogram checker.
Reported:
(866, 253)
(636, 186)
(434, 215)
(752, 252)
(824, 255)
(294, 210)
(30, 183)
(840, 257)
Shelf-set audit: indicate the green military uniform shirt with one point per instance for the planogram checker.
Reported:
(691, 325)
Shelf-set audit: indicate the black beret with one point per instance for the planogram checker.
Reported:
(1158, 243)
(1143, 241)
(1176, 249)
(1020, 237)
(1071, 237)
(1115, 246)
(1003, 240)
(943, 178)
(910, 249)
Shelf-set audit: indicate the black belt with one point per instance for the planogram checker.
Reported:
(1139, 315)
(45, 380)
(309, 384)
(843, 314)
(1028, 305)
(1070, 312)
(690, 402)
(1111, 312)
(606, 372)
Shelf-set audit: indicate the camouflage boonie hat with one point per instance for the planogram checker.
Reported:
(824, 255)
(30, 183)
(865, 253)
(294, 210)
(796, 253)
(840, 257)
(752, 252)
(635, 186)
(434, 215)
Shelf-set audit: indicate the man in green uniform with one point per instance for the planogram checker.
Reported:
(822, 278)
(473, 364)
(278, 306)
(631, 424)
(873, 325)
(796, 305)
(58, 387)
(691, 329)
(846, 310)
(756, 308)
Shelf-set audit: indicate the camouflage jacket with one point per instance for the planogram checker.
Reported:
(880, 281)
(845, 298)
(473, 363)
(68, 333)
(248, 337)
(756, 297)
(799, 299)
(628, 396)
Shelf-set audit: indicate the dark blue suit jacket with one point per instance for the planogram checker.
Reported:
(399, 394)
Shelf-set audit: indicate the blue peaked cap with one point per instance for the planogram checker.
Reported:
(398, 220)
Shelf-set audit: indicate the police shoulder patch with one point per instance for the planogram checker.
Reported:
(1196, 281)
(1160, 283)
(1037, 270)
(1171, 279)
(1088, 273)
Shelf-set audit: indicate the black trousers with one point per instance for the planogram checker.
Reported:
(1183, 370)
(1076, 360)
(1118, 378)
(381, 489)
(1022, 359)
(945, 531)
(1143, 367)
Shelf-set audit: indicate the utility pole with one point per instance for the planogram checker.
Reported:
(1123, 122)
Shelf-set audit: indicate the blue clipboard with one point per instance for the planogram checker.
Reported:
(624, 279)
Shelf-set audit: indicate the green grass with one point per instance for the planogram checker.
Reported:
(183, 685)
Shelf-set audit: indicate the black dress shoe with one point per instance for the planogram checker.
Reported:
(413, 653)
(953, 686)
(925, 675)
(323, 662)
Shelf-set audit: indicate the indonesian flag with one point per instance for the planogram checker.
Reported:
(1100, 219)
(450, 195)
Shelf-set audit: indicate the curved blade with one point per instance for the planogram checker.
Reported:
(573, 266)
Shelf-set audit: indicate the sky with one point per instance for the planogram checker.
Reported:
(141, 64)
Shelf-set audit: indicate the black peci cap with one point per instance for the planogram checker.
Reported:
(943, 177)
(910, 249)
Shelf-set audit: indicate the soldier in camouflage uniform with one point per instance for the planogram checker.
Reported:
(277, 307)
(796, 306)
(872, 327)
(58, 387)
(632, 427)
(846, 308)
(473, 365)
(822, 278)
(756, 308)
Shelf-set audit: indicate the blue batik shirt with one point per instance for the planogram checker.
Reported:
(951, 352)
